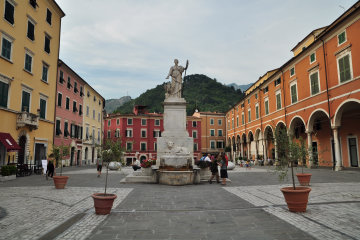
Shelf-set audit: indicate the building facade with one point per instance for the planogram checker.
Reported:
(93, 104)
(138, 133)
(69, 112)
(213, 129)
(30, 38)
(315, 95)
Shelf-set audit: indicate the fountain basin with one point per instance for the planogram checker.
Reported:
(176, 178)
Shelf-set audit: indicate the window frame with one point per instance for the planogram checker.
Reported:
(31, 21)
(293, 101)
(43, 98)
(220, 122)
(242, 118)
(21, 106)
(155, 122)
(57, 100)
(338, 40)
(45, 66)
(67, 103)
(143, 130)
(290, 70)
(278, 92)
(47, 36)
(127, 146)
(131, 120)
(214, 143)
(141, 146)
(212, 121)
(343, 54)
(13, 14)
(212, 132)
(129, 130)
(46, 18)
(257, 113)
(143, 119)
(194, 134)
(267, 109)
(220, 132)
(312, 54)
(7, 82)
(28, 53)
(11, 41)
(318, 80)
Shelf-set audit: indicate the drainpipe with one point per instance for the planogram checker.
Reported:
(261, 122)
(328, 97)
(283, 81)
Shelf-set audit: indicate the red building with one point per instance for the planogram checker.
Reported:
(69, 112)
(138, 132)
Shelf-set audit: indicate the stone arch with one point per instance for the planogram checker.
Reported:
(297, 127)
(25, 134)
(258, 134)
(143, 157)
(243, 138)
(250, 136)
(345, 105)
(280, 124)
(313, 116)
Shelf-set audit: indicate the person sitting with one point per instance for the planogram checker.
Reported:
(136, 165)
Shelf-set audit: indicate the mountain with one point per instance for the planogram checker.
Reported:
(242, 87)
(113, 104)
(200, 91)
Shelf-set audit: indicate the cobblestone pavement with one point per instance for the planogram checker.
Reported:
(249, 207)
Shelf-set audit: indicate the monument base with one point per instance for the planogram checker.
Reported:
(178, 178)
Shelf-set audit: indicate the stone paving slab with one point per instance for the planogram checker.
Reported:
(31, 212)
(333, 211)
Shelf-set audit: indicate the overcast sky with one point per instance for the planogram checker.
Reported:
(124, 47)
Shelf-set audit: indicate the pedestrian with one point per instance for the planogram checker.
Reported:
(99, 166)
(208, 158)
(136, 165)
(214, 169)
(50, 169)
(223, 169)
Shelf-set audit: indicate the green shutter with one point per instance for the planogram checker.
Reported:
(314, 83)
(25, 104)
(293, 94)
(42, 108)
(6, 49)
(347, 68)
(4, 90)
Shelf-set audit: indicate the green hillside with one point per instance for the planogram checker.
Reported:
(200, 92)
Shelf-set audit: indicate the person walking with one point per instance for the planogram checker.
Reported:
(99, 166)
(223, 169)
(50, 167)
(214, 169)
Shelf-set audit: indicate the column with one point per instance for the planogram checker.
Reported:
(242, 149)
(248, 150)
(338, 165)
(265, 151)
(276, 151)
(309, 143)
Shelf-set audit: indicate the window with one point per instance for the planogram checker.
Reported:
(266, 89)
(312, 58)
(220, 132)
(194, 123)
(129, 133)
(42, 108)
(33, 3)
(129, 121)
(266, 106)
(80, 109)
(9, 12)
(212, 144)
(47, 44)
(257, 111)
(6, 47)
(156, 133)
(87, 132)
(249, 101)
(75, 87)
(94, 114)
(211, 121)
(25, 102)
(81, 91)
(4, 93)
(94, 98)
(109, 123)
(59, 100)
(117, 121)
(58, 130)
(277, 82)
(98, 117)
(237, 121)
(28, 62)
(87, 111)
(314, 83)
(67, 106)
(99, 136)
(194, 134)
(292, 71)
(142, 146)
(293, 91)
(157, 122)
(344, 68)
(66, 131)
(212, 132)
(61, 80)
(195, 147)
(256, 96)
(48, 16)
(219, 122)
(74, 107)
(88, 93)
(249, 115)
(117, 133)
(45, 73)
(219, 144)
(108, 134)
(69, 83)
(342, 38)
(232, 123)
(143, 133)
(143, 122)
(242, 118)
(129, 146)
(30, 30)
(278, 100)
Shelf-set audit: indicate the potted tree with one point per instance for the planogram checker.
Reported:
(111, 151)
(303, 178)
(59, 153)
(288, 152)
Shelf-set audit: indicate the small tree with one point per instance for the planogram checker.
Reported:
(59, 153)
(111, 151)
(288, 152)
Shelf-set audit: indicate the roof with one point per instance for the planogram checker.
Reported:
(315, 33)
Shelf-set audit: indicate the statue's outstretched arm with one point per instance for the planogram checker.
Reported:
(170, 72)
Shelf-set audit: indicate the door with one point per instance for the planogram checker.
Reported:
(72, 153)
(315, 153)
(78, 157)
(353, 152)
(92, 154)
(21, 154)
(40, 153)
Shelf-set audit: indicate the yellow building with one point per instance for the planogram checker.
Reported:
(30, 36)
(92, 124)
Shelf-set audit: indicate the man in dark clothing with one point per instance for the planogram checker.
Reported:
(214, 169)
(50, 169)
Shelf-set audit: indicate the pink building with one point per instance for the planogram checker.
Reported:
(138, 133)
(69, 112)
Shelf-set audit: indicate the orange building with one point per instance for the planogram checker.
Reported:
(315, 95)
(213, 129)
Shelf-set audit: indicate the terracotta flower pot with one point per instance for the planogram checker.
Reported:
(60, 181)
(103, 203)
(296, 199)
(304, 178)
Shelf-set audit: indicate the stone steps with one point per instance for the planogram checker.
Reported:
(138, 179)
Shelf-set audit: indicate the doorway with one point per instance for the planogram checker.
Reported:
(40, 154)
(78, 158)
(353, 152)
(72, 153)
(21, 154)
(315, 155)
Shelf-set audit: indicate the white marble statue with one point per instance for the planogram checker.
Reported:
(173, 89)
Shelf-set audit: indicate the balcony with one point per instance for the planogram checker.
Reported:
(25, 119)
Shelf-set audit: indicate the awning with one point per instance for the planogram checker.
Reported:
(9, 142)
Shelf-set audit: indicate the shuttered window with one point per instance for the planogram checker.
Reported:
(30, 31)
(59, 99)
(6, 48)
(9, 12)
(314, 81)
(28, 62)
(4, 93)
(42, 108)
(48, 16)
(47, 44)
(293, 93)
(344, 68)
(25, 103)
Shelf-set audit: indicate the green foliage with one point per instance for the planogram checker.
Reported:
(200, 92)
(60, 152)
(112, 151)
(8, 170)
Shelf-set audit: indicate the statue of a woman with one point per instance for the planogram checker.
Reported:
(174, 90)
